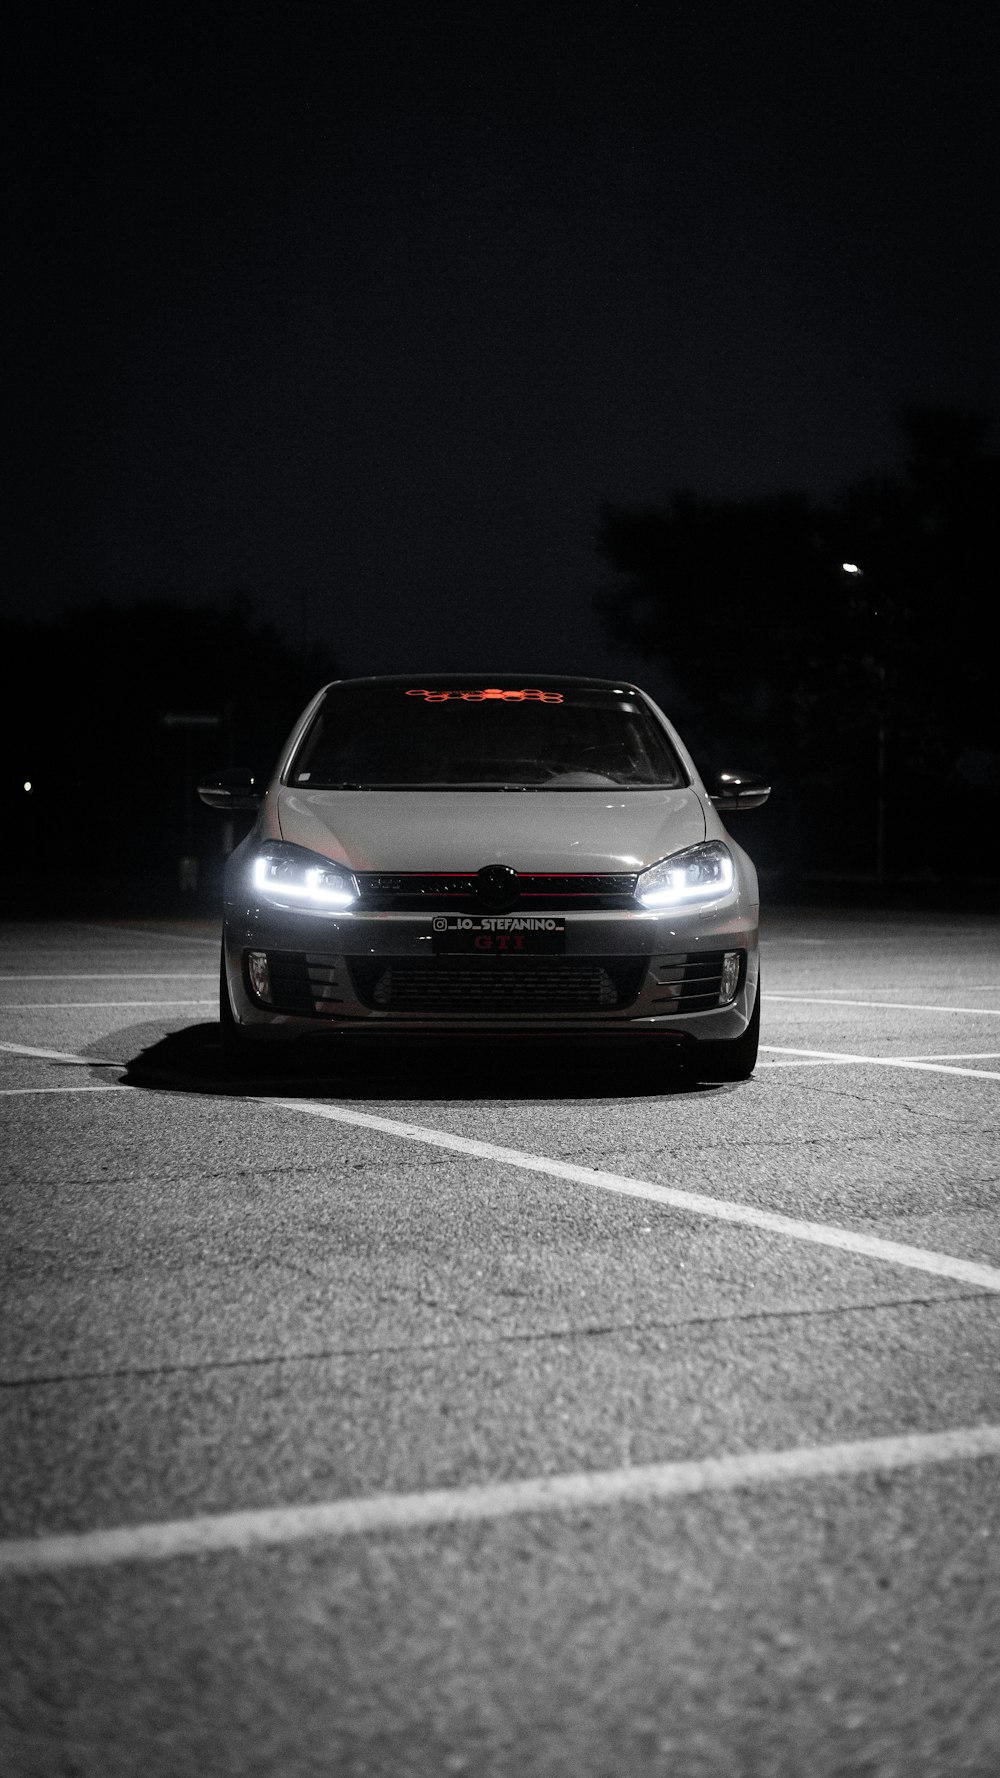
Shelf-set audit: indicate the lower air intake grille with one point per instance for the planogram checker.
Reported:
(689, 981)
(469, 985)
(302, 982)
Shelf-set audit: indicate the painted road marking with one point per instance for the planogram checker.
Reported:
(117, 975)
(90, 1005)
(942, 1265)
(26, 1049)
(818, 1059)
(979, 1012)
(879, 988)
(958, 1056)
(26, 1092)
(580, 1492)
(805, 1061)
(133, 929)
(883, 1062)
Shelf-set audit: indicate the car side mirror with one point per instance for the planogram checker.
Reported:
(738, 790)
(235, 788)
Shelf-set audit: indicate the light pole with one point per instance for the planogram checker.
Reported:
(856, 572)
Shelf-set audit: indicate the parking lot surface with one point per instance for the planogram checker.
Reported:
(502, 1411)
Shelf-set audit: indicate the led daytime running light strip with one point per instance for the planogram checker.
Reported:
(670, 894)
(309, 890)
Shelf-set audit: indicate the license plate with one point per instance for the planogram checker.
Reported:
(497, 935)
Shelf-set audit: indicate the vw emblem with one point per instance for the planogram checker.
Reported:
(497, 887)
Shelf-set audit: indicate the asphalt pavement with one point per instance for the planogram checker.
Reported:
(502, 1411)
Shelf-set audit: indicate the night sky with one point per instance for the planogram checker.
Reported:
(367, 310)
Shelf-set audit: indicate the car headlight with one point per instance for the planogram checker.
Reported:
(701, 873)
(291, 877)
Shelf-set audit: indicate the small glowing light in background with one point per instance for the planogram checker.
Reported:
(28, 786)
(850, 567)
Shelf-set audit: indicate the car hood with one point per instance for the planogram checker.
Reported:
(604, 830)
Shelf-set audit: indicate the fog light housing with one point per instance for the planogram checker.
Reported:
(260, 976)
(729, 980)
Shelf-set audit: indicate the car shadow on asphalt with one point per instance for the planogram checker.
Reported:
(192, 1061)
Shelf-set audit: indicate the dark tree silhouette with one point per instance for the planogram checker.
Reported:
(785, 660)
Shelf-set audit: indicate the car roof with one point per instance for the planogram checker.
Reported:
(529, 680)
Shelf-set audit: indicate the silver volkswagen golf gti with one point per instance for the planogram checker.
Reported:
(499, 855)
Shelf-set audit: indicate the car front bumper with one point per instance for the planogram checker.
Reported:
(621, 973)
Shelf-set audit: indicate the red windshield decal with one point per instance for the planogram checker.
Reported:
(493, 691)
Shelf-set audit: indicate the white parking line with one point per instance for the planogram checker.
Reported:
(979, 1012)
(27, 1049)
(90, 1005)
(805, 1061)
(820, 1059)
(842, 1057)
(111, 1086)
(866, 988)
(957, 1056)
(581, 1492)
(921, 1259)
(143, 929)
(116, 975)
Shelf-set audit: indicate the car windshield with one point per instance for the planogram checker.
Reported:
(441, 735)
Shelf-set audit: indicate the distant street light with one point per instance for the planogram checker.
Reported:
(855, 571)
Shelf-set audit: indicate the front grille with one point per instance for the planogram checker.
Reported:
(688, 981)
(417, 891)
(309, 982)
(485, 984)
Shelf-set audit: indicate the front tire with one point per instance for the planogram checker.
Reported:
(235, 1047)
(717, 1062)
